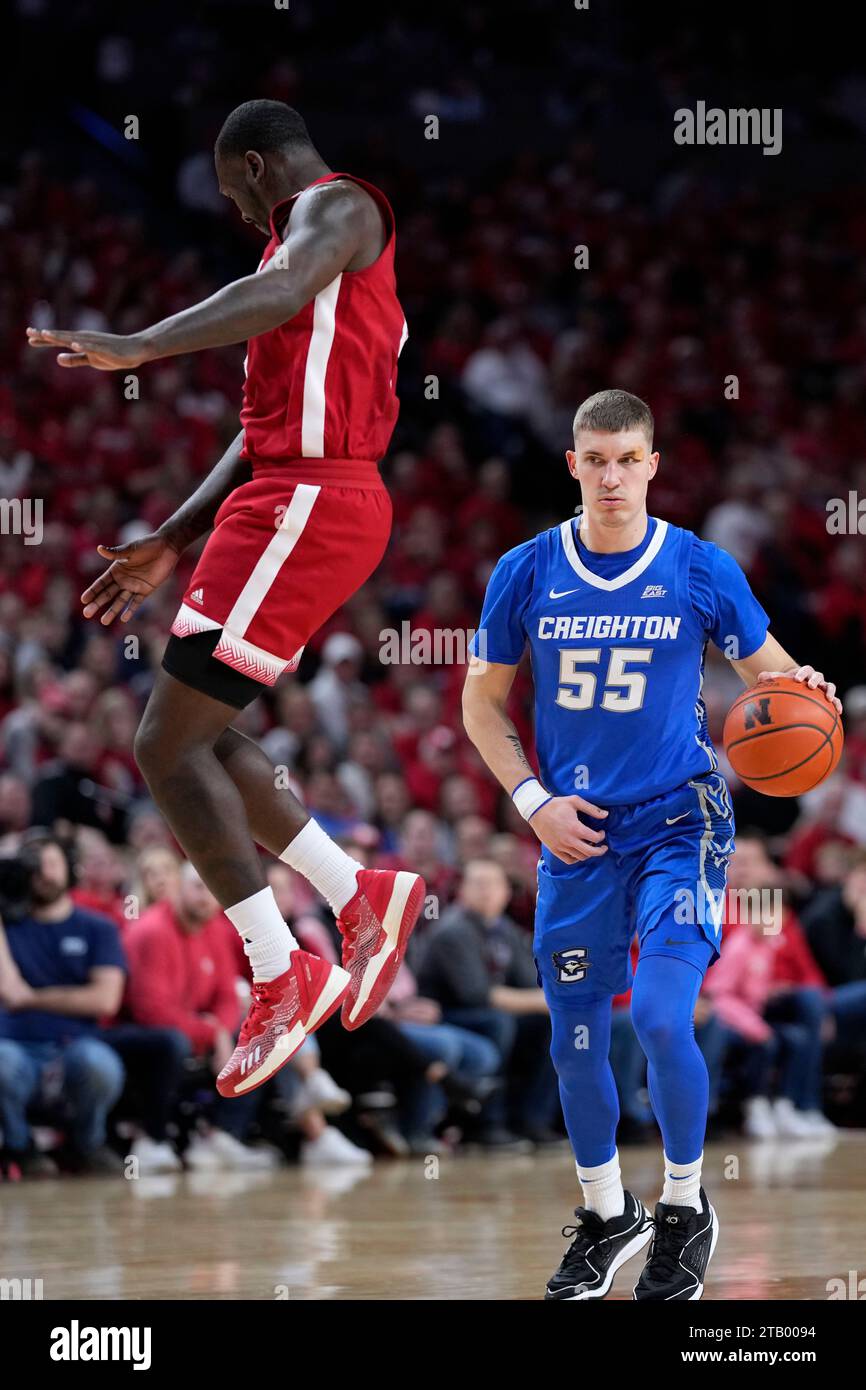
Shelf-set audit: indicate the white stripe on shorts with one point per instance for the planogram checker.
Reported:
(714, 899)
(272, 558)
(318, 353)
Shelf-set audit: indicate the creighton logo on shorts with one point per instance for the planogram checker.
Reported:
(571, 966)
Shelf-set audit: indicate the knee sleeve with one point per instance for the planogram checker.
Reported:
(663, 1006)
(580, 1042)
(662, 1009)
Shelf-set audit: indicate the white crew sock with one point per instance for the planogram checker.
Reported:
(602, 1188)
(268, 943)
(683, 1183)
(330, 869)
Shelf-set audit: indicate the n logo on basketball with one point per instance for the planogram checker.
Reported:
(757, 712)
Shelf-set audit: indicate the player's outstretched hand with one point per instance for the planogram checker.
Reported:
(137, 569)
(558, 826)
(107, 352)
(814, 679)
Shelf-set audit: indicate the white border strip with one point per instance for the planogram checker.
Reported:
(318, 354)
(188, 620)
(248, 658)
(636, 569)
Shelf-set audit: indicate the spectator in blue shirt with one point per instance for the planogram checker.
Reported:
(477, 964)
(63, 970)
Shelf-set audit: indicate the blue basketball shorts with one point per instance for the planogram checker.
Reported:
(663, 876)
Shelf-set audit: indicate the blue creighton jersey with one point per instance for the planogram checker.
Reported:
(617, 645)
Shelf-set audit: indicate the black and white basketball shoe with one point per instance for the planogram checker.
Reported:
(683, 1242)
(598, 1249)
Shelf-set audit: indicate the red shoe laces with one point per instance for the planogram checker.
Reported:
(264, 1000)
(350, 932)
(350, 939)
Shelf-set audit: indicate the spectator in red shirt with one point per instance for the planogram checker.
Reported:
(100, 873)
(421, 846)
(490, 500)
(443, 610)
(813, 831)
(435, 760)
(158, 876)
(855, 733)
(181, 972)
(182, 977)
(768, 993)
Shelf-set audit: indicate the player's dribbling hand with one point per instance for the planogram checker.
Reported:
(137, 569)
(814, 679)
(558, 826)
(107, 352)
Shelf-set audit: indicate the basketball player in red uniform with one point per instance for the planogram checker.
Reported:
(300, 520)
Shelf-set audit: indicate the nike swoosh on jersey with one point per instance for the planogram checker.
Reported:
(564, 594)
(672, 820)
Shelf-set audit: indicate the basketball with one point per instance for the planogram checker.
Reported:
(782, 738)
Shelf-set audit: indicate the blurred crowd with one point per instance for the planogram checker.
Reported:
(737, 313)
(122, 987)
(123, 984)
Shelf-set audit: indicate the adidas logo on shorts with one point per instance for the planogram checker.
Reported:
(197, 595)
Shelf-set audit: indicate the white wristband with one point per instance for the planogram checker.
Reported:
(529, 796)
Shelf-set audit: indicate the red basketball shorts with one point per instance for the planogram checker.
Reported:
(287, 550)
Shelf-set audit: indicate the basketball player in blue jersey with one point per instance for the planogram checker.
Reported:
(634, 819)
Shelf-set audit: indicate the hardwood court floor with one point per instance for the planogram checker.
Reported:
(485, 1228)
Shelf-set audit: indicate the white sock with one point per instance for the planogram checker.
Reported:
(602, 1188)
(330, 869)
(268, 943)
(683, 1183)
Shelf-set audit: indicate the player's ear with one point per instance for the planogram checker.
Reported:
(255, 166)
(653, 464)
(571, 460)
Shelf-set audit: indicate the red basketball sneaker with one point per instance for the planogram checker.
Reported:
(376, 925)
(283, 1013)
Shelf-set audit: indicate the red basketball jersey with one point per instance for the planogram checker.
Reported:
(323, 384)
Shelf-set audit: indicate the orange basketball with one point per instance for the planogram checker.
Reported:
(782, 738)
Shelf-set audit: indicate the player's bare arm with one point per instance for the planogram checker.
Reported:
(557, 822)
(140, 566)
(328, 229)
(771, 660)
